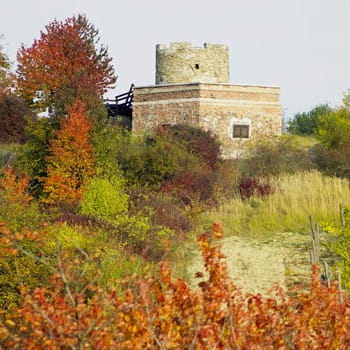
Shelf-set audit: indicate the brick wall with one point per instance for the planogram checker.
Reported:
(215, 107)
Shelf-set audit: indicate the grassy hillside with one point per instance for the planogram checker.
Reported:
(294, 198)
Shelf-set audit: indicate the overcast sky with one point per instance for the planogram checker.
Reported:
(303, 46)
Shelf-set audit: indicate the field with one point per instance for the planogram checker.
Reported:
(268, 240)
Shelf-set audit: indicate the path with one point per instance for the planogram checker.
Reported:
(255, 265)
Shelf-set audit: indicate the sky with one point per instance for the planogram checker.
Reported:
(302, 46)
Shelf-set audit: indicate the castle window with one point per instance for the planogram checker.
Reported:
(196, 66)
(240, 131)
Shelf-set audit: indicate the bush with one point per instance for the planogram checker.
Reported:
(197, 141)
(162, 209)
(226, 180)
(158, 311)
(12, 118)
(271, 158)
(151, 161)
(334, 128)
(137, 231)
(338, 243)
(193, 186)
(334, 162)
(33, 154)
(167, 154)
(105, 199)
(17, 207)
(251, 187)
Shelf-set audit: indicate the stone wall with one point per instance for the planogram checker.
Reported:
(183, 63)
(215, 107)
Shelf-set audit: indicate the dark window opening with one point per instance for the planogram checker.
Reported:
(240, 131)
(196, 66)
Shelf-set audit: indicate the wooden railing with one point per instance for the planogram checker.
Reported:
(122, 105)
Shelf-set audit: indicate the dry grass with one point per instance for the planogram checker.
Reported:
(287, 210)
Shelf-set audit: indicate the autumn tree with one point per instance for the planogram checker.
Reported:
(13, 111)
(71, 162)
(65, 63)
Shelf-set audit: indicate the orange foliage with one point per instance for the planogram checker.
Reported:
(14, 187)
(158, 312)
(71, 162)
(65, 58)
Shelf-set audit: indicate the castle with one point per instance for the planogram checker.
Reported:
(192, 86)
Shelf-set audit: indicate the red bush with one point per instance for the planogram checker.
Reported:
(155, 312)
(249, 187)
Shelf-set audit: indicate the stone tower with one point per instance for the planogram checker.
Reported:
(193, 88)
(183, 63)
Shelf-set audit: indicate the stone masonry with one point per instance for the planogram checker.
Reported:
(182, 63)
(235, 113)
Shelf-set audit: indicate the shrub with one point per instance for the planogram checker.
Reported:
(12, 118)
(197, 141)
(334, 128)
(226, 180)
(105, 199)
(271, 158)
(167, 154)
(17, 206)
(32, 156)
(251, 187)
(157, 311)
(334, 162)
(338, 243)
(151, 161)
(162, 209)
(193, 186)
(107, 142)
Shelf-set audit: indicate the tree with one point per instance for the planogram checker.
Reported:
(64, 64)
(12, 108)
(334, 128)
(12, 118)
(71, 162)
(306, 123)
(332, 155)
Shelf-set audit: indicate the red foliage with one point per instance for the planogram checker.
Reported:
(191, 185)
(159, 312)
(250, 186)
(63, 60)
(71, 162)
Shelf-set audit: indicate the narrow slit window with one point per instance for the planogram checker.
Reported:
(196, 66)
(240, 131)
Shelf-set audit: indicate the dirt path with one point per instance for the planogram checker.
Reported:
(255, 265)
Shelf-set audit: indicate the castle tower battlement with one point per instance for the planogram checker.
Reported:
(193, 88)
(183, 63)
